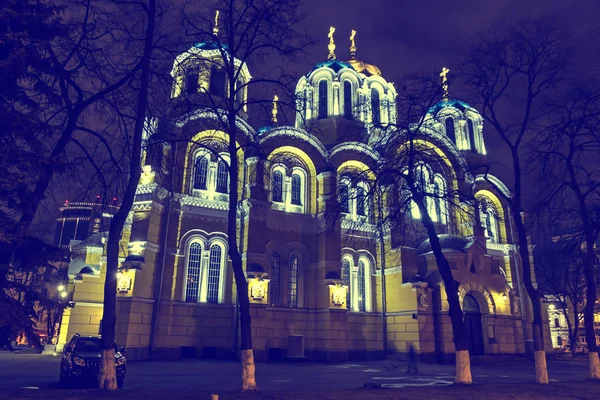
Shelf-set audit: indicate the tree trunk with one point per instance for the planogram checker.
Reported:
(248, 366)
(107, 378)
(541, 370)
(461, 344)
(588, 313)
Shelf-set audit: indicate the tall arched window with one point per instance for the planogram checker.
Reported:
(450, 129)
(489, 220)
(348, 106)
(214, 273)
(277, 186)
(217, 81)
(375, 107)
(344, 195)
(201, 172)
(471, 134)
(293, 281)
(323, 99)
(296, 189)
(222, 177)
(361, 199)
(191, 79)
(346, 281)
(275, 278)
(439, 200)
(192, 284)
(361, 286)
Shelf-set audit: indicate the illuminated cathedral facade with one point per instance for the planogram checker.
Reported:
(306, 277)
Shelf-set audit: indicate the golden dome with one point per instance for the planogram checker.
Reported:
(363, 67)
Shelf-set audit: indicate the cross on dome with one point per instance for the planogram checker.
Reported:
(444, 75)
(274, 111)
(216, 25)
(352, 43)
(331, 45)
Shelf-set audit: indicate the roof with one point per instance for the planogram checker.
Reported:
(458, 104)
(447, 241)
(335, 65)
(365, 68)
(210, 46)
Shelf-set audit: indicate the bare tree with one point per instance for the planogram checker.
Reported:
(242, 32)
(508, 72)
(569, 179)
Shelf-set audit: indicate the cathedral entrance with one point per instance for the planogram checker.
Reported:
(473, 325)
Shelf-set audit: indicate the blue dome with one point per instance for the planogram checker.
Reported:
(265, 129)
(210, 46)
(335, 65)
(458, 104)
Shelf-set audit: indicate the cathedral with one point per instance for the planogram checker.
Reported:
(322, 291)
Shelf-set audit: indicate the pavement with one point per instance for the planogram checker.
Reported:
(22, 374)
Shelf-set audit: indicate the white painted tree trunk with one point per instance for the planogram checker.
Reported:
(463, 367)
(248, 370)
(541, 369)
(594, 366)
(107, 375)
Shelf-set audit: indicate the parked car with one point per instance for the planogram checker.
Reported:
(82, 357)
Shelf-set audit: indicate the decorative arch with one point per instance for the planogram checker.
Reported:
(481, 294)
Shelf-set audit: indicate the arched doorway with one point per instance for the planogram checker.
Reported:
(473, 325)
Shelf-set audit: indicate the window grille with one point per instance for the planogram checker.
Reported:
(375, 107)
(361, 286)
(323, 99)
(346, 281)
(214, 273)
(200, 173)
(450, 129)
(293, 281)
(296, 190)
(348, 114)
(222, 177)
(275, 278)
(193, 273)
(278, 186)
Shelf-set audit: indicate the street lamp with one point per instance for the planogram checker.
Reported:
(61, 288)
(63, 294)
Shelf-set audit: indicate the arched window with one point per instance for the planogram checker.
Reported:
(439, 200)
(217, 81)
(471, 134)
(489, 220)
(361, 286)
(323, 99)
(450, 129)
(275, 278)
(192, 284)
(214, 273)
(296, 189)
(293, 281)
(361, 199)
(277, 186)
(222, 177)
(345, 195)
(201, 172)
(191, 79)
(346, 280)
(348, 106)
(375, 107)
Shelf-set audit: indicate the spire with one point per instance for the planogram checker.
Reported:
(216, 24)
(331, 45)
(352, 44)
(444, 75)
(274, 111)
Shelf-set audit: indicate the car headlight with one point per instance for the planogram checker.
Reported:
(120, 361)
(79, 361)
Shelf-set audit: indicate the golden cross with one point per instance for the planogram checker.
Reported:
(331, 45)
(216, 25)
(352, 43)
(274, 112)
(444, 75)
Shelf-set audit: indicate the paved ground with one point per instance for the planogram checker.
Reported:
(20, 374)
